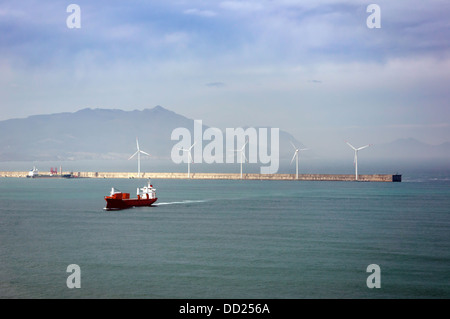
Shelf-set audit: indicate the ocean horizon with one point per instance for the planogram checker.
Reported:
(433, 170)
(226, 239)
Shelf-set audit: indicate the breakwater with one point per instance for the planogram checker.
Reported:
(286, 177)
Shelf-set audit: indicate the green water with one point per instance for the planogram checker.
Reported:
(225, 239)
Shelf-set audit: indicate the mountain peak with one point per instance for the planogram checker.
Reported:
(159, 108)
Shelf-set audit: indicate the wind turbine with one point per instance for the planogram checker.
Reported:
(296, 156)
(189, 158)
(356, 156)
(138, 152)
(243, 158)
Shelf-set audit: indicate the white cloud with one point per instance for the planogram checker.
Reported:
(315, 59)
(125, 31)
(4, 12)
(202, 13)
(177, 38)
(242, 6)
(215, 84)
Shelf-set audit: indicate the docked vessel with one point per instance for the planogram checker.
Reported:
(34, 173)
(116, 200)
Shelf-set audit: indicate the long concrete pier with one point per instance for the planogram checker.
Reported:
(225, 176)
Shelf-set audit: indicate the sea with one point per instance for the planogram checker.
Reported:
(219, 239)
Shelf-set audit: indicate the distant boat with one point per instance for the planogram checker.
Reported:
(34, 173)
(117, 200)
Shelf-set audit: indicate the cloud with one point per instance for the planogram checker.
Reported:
(315, 59)
(202, 13)
(215, 84)
(177, 38)
(11, 13)
(242, 6)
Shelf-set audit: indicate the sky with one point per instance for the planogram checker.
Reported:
(312, 68)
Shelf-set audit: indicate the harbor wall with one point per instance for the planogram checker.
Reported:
(224, 176)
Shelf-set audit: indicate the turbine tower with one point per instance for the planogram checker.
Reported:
(243, 158)
(189, 158)
(356, 156)
(138, 152)
(296, 156)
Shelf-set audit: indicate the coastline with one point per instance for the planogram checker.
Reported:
(223, 176)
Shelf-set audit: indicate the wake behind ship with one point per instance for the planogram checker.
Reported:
(117, 200)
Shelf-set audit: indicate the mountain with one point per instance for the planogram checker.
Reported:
(111, 134)
(98, 134)
(88, 134)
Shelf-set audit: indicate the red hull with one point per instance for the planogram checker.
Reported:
(115, 204)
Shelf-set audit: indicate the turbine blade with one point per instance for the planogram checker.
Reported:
(295, 147)
(293, 157)
(351, 145)
(133, 155)
(192, 146)
(145, 153)
(137, 143)
(363, 147)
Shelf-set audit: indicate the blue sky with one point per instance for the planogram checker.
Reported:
(312, 68)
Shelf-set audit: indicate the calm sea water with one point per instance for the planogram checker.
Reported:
(225, 239)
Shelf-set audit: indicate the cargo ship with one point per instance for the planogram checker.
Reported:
(117, 200)
(34, 173)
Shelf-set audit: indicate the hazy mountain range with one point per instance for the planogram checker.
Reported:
(111, 134)
(98, 134)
